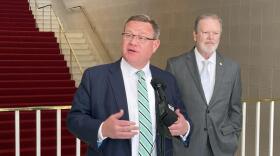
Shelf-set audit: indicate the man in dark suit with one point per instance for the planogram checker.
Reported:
(211, 91)
(106, 111)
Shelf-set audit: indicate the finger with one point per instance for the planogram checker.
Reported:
(118, 115)
(128, 128)
(180, 115)
(132, 128)
(174, 132)
(126, 135)
(125, 123)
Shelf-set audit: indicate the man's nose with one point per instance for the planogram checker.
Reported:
(210, 36)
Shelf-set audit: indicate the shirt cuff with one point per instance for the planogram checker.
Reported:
(184, 137)
(100, 136)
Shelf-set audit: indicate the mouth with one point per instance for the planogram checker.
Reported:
(210, 43)
(131, 50)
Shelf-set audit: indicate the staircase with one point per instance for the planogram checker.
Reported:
(32, 73)
(87, 56)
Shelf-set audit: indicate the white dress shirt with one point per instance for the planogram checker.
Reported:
(211, 68)
(130, 84)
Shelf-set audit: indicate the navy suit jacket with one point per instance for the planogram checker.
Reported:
(101, 94)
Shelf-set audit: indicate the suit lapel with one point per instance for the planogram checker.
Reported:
(192, 67)
(218, 77)
(116, 81)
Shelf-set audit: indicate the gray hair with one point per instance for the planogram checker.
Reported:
(205, 16)
(146, 19)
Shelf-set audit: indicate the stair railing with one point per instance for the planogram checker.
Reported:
(38, 110)
(258, 103)
(93, 29)
(61, 33)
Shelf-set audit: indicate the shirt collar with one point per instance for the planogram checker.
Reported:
(126, 67)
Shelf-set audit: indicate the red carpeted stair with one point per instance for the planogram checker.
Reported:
(32, 73)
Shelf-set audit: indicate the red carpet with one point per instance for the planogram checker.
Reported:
(32, 73)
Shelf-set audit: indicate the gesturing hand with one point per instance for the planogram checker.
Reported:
(180, 127)
(115, 128)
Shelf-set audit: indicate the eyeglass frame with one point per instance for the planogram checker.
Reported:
(142, 39)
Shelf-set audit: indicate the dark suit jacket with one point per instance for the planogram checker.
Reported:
(220, 121)
(101, 94)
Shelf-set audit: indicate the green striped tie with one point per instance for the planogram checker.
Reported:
(145, 125)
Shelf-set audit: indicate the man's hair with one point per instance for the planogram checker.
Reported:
(146, 19)
(205, 16)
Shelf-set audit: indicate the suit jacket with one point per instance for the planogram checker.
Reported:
(220, 121)
(101, 94)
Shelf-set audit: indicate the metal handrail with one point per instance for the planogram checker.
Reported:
(85, 14)
(263, 101)
(42, 6)
(93, 30)
(69, 106)
(34, 108)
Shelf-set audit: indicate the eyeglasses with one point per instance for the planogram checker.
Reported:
(141, 39)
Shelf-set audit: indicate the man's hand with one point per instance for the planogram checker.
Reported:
(180, 127)
(119, 129)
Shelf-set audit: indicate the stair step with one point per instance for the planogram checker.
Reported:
(15, 28)
(8, 10)
(15, 19)
(37, 91)
(33, 76)
(16, 24)
(28, 39)
(14, 2)
(25, 33)
(34, 70)
(36, 98)
(31, 56)
(29, 44)
(36, 83)
(32, 63)
(29, 50)
(19, 6)
(18, 15)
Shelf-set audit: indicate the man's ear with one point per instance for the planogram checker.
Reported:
(156, 44)
(194, 36)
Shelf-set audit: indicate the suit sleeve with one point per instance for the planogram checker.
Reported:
(235, 112)
(184, 111)
(80, 122)
(180, 104)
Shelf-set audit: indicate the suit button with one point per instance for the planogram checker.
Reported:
(205, 129)
(207, 111)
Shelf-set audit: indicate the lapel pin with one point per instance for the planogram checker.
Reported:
(221, 63)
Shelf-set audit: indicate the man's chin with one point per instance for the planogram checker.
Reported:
(209, 50)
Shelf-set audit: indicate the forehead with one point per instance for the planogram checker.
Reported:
(209, 24)
(139, 27)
